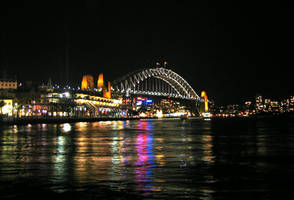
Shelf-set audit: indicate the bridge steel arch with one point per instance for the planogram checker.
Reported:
(129, 82)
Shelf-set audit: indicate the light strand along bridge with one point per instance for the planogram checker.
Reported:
(156, 82)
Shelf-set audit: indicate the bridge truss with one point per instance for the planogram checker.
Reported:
(155, 81)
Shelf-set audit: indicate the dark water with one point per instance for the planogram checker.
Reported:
(149, 159)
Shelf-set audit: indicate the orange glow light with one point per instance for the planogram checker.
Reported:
(100, 82)
(87, 82)
(107, 94)
(203, 95)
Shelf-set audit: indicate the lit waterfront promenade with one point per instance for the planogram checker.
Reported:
(37, 120)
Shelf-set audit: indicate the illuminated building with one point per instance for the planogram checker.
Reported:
(258, 103)
(291, 106)
(81, 98)
(107, 93)
(275, 106)
(87, 82)
(96, 105)
(80, 104)
(260, 107)
(258, 99)
(7, 108)
(267, 105)
(248, 103)
(54, 103)
(144, 106)
(168, 107)
(267, 101)
(100, 82)
(8, 84)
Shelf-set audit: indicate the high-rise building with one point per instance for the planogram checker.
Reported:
(258, 103)
(258, 99)
(292, 100)
(267, 101)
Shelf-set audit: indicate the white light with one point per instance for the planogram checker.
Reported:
(66, 94)
(66, 127)
(159, 114)
(142, 115)
(115, 101)
(206, 115)
(6, 109)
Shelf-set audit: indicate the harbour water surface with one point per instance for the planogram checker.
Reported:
(149, 159)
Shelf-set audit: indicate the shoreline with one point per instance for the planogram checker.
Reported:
(61, 120)
(37, 120)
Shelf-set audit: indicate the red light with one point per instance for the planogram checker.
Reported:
(141, 98)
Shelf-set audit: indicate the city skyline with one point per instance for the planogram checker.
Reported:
(222, 49)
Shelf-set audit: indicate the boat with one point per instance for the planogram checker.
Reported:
(206, 116)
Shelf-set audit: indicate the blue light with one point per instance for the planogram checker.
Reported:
(149, 101)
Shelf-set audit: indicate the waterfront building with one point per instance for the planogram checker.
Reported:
(80, 103)
(6, 107)
(275, 106)
(267, 105)
(8, 84)
(267, 101)
(248, 104)
(258, 103)
(96, 105)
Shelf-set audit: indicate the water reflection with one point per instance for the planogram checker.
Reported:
(59, 159)
(118, 160)
(207, 149)
(147, 156)
(158, 159)
(81, 126)
(66, 128)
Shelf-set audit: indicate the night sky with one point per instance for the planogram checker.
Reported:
(232, 51)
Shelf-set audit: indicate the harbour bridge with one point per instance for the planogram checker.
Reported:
(157, 81)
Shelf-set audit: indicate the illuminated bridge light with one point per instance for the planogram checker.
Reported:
(203, 95)
(156, 81)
